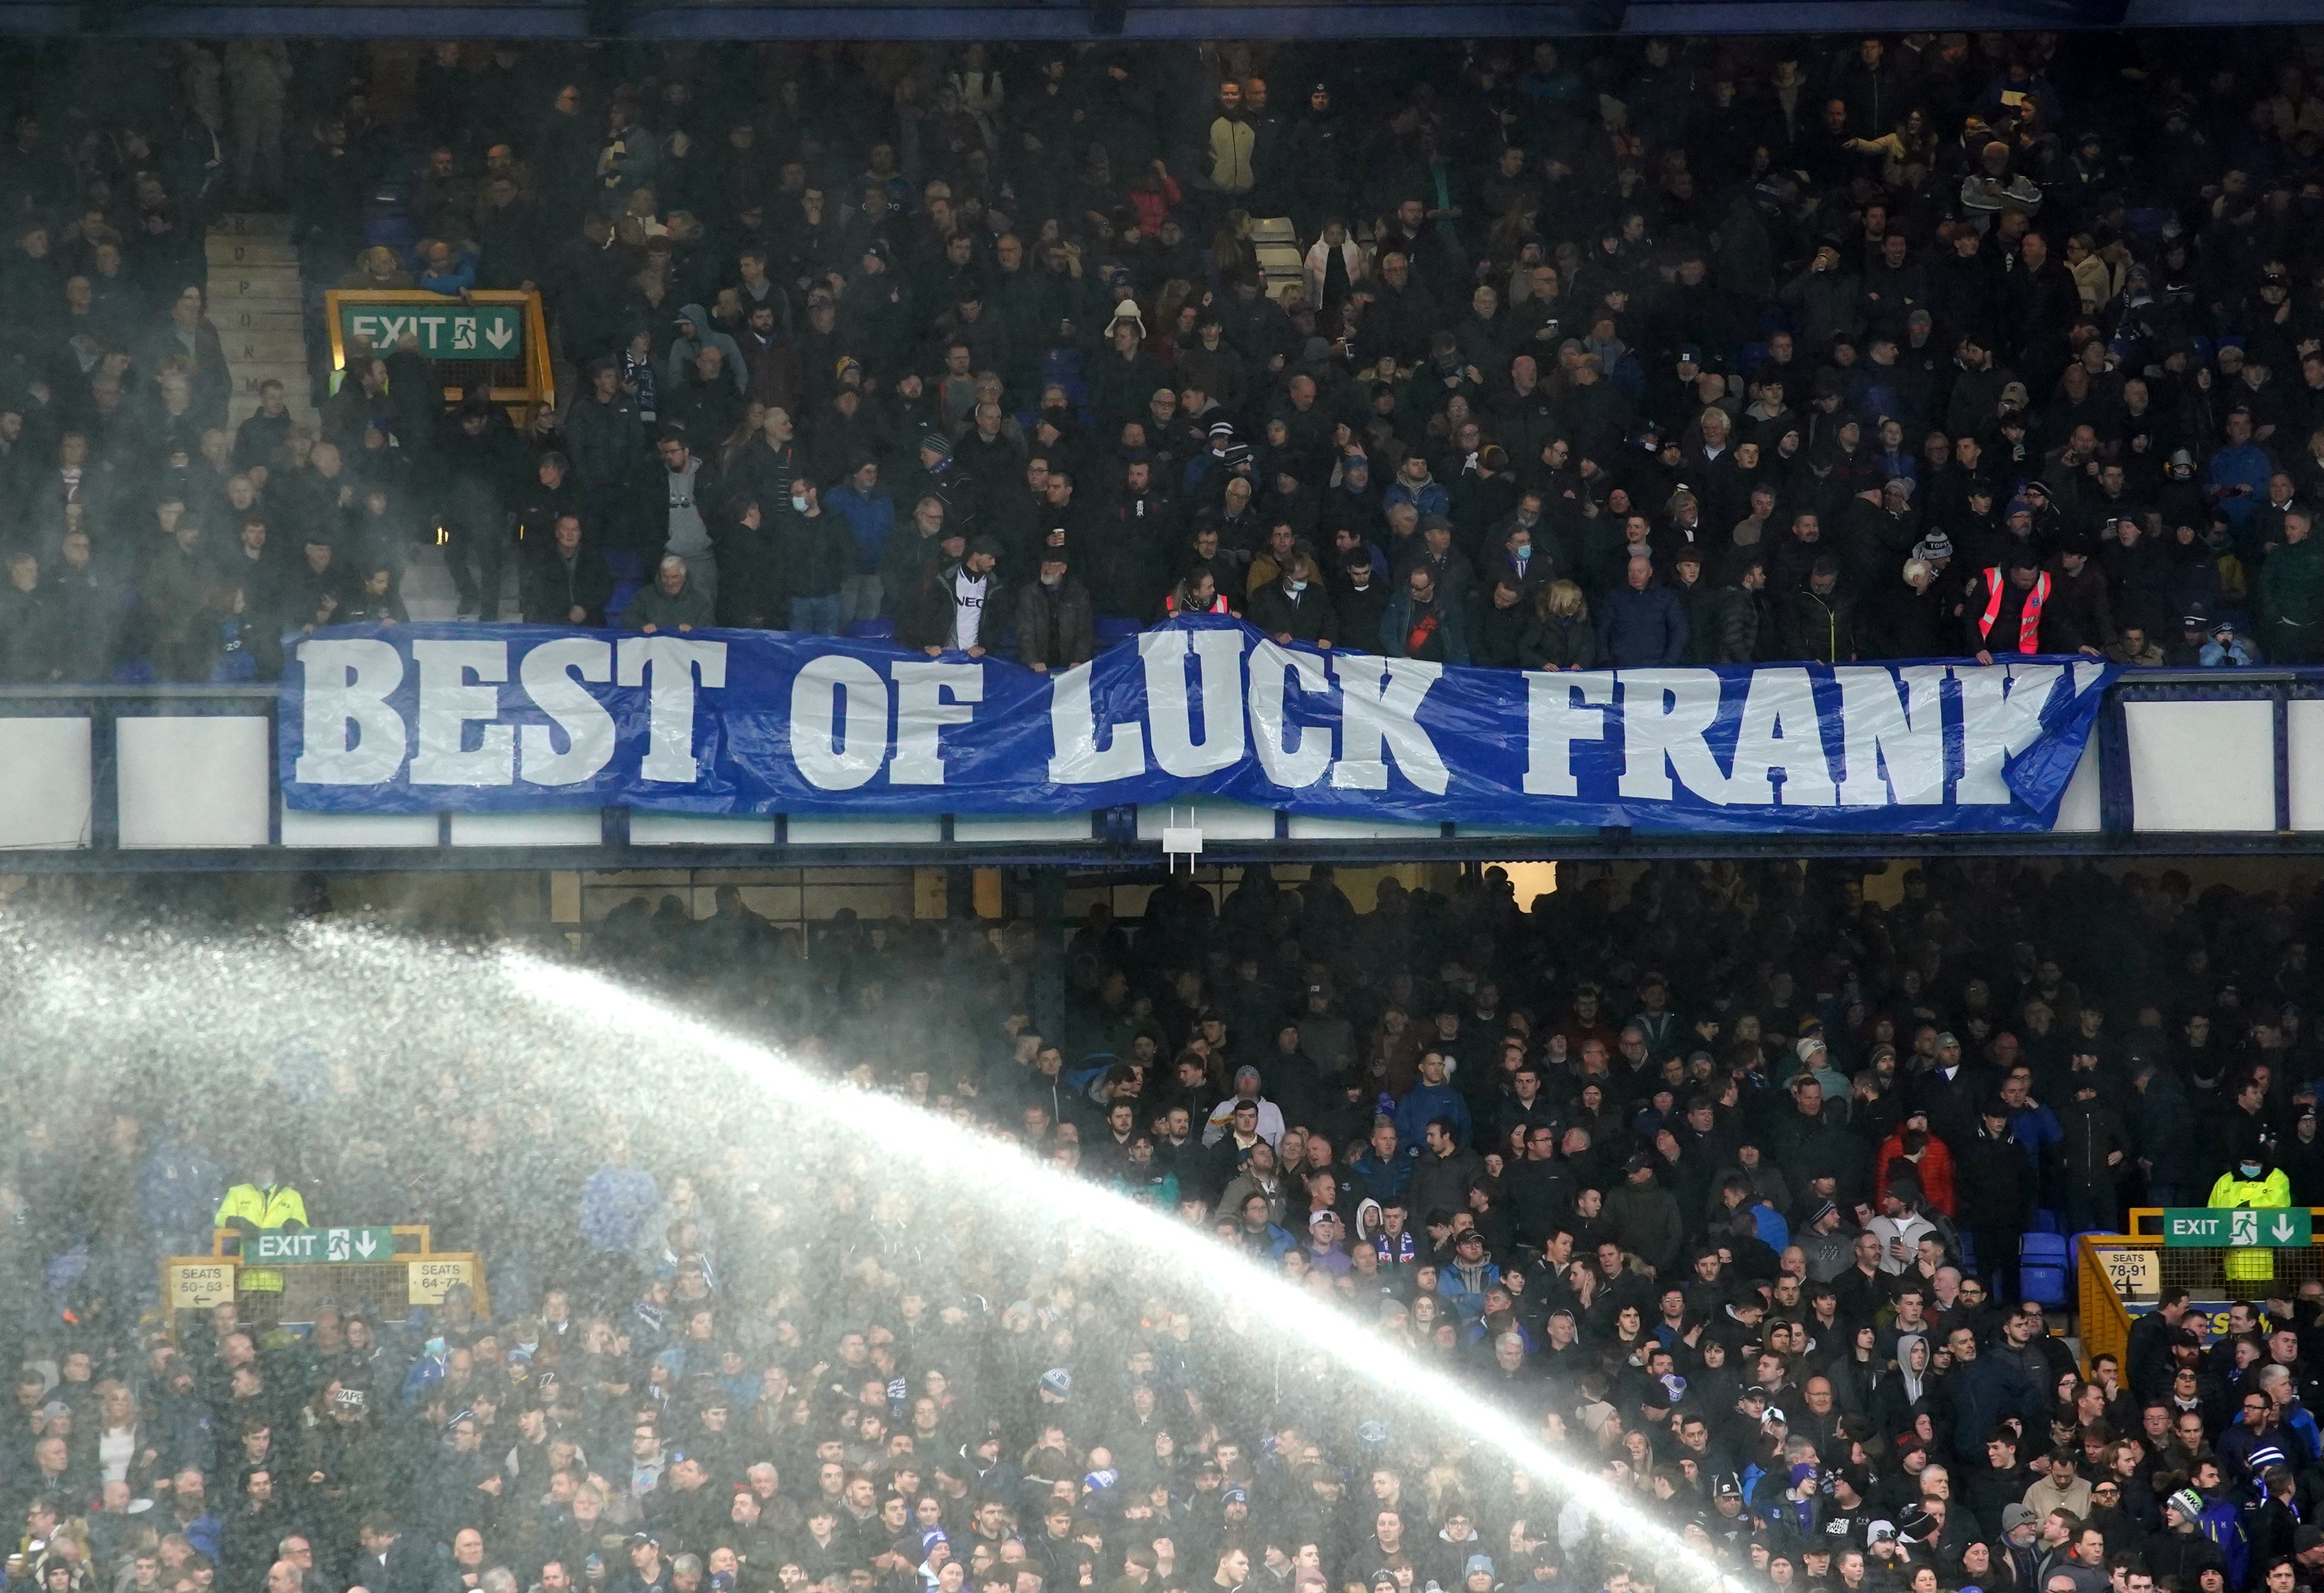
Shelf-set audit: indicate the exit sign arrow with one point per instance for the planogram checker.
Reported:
(500, 335)
(2281, 1230)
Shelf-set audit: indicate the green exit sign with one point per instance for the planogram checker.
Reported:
(2272, 1228)
(323, 1245)
(445, 329)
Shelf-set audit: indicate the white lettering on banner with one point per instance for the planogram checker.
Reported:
(449, 705)
(1552, 725)
(1379, 712)
(2001, 717)
(1302, 760)
(922, 713)
(1076, 758)
(861, 721)
(548, 672)
(1665, 714)
(1906, 733)
(348, 685)
(1779, 731)
(1169, 717)
(669, 708)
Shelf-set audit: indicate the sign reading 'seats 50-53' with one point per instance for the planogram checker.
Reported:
(416, 718)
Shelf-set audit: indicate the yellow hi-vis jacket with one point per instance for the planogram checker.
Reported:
(2251, 1263)
(278, 1206)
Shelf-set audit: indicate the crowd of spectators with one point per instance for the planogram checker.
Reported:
(1521, 355)
(1686, 1175)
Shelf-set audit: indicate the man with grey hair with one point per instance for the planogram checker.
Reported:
(673, 603)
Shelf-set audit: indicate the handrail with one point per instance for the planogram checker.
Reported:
(2104, 1318)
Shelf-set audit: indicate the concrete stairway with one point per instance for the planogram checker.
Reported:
(255, 305)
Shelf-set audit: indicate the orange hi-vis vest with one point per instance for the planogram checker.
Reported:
(2029, 619)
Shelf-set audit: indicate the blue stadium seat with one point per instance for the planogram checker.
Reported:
(2045, 1221)
(1969, 1255)
(2039, 1249)
(395, 232)
(623, 590)
(625, 565)
(2046, 1284)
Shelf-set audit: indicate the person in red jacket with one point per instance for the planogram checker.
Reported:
(1913, 1144)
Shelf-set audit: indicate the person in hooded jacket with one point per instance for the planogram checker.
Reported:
(2253, 1183)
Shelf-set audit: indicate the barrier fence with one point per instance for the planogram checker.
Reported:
(280, 1278)
(144, 778)
(2121, 1277)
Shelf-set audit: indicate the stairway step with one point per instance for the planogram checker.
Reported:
(230, 254)
(257, 301)
(252, 224)
(270, 347)
(246, 316)
(284, 296)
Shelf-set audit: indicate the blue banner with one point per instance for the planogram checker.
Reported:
(422, 718)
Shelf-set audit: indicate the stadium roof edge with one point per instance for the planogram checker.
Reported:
(1065, 21)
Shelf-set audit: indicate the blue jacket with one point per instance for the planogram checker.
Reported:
(615, 1203)
(459, 280)
(870, 519)
(2223, 1523)
(1422, 1105)
(1635, 628)
(1388, 1178)
(178, 1189)
(2036, 1131)
(2248, 466)
(1428, 498)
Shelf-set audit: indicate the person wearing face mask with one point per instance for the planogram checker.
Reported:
(819, 552)
(1294, 606)
(1054, 627)
(2252, 1183)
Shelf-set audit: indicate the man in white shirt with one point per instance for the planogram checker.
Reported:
(1900, 1225)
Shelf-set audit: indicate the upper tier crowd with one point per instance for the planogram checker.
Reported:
(1528, 356)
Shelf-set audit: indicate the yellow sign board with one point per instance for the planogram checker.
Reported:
(2134, 1274)
(198, 1285)
(432, 1276)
